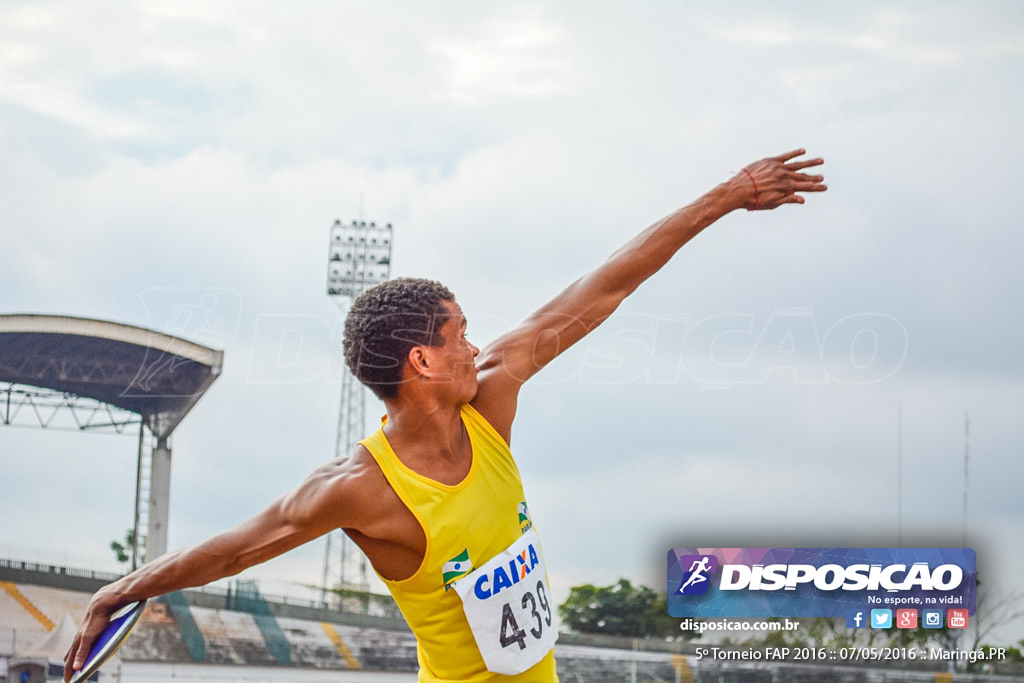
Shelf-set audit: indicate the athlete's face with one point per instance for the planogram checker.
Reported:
(455, 361)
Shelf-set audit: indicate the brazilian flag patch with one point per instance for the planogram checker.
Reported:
(524, 517)
(458, 566)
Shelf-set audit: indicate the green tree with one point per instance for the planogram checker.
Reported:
(621, 609)
(123, 551)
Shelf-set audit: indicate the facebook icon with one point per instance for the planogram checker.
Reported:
(855, 618)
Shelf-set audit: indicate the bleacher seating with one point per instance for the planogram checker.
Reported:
(156, 637)
(232, 638)
(310, 645)
(249, 599)
(380, 650)
(181, 612)
(602, 665)
(55, 603)
(18, 628)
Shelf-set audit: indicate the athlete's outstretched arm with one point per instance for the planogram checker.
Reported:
(517, 355)
(309, 511)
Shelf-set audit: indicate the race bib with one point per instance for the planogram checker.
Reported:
(508, 604)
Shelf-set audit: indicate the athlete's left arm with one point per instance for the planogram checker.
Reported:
(519, 354)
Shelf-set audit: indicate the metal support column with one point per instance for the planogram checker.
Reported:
(159, 499)
(141, 501)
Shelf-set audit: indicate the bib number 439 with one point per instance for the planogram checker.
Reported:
(510, 633)
(507, 604)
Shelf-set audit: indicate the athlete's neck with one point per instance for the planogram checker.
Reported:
(429, 438)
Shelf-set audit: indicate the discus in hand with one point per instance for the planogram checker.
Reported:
(112, 637)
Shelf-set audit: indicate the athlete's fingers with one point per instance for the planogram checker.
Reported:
(806, 163)
(811, 184)
(69, 658)
(789, 155)
(817, 187)
(788, 199)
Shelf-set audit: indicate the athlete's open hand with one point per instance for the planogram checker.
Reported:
(775, 181)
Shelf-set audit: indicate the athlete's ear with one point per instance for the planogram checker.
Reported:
(418, 360)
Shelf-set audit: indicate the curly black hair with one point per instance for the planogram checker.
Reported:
(386, 322)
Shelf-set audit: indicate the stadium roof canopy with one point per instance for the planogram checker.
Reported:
(158, 376)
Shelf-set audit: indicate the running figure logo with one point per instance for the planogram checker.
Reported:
(695, 581)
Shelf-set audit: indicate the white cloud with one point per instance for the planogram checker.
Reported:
(520, 56)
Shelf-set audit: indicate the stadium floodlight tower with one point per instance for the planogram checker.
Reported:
(359, 258)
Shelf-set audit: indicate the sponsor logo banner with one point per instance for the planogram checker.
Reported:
(818, 582)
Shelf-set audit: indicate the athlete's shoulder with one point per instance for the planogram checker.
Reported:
(496, 400)
(360, 474)
(347, 488)
(479, 424)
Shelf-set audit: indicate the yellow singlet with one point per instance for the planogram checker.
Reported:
(465, 525)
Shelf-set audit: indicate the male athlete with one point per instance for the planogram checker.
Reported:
(434, 498)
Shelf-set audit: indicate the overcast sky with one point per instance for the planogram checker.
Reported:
(178, 165)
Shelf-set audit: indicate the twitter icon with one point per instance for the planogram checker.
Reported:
(881, 618)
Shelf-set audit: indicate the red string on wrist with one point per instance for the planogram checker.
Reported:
(756, 194)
